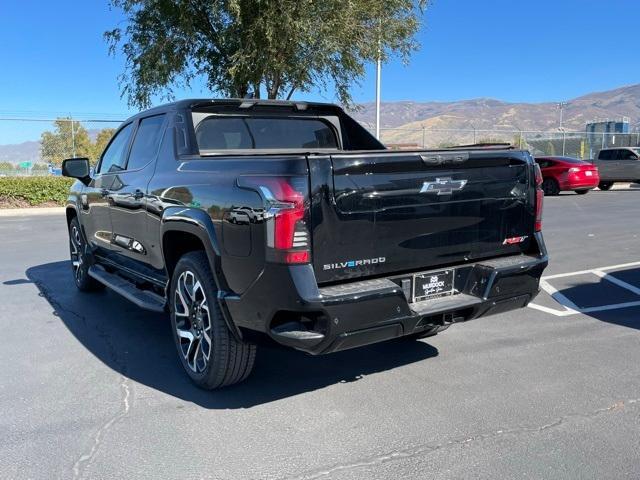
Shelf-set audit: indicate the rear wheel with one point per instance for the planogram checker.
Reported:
(208, 351)
(605, 185)
(80, 261)
(550, 187)
(582, 192)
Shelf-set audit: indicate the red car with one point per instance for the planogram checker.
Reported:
(566, 173)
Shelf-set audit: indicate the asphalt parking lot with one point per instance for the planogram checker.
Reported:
(91, 387)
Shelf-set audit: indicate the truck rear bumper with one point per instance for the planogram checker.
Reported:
(286, 304)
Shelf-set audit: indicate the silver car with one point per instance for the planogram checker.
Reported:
(620, 164)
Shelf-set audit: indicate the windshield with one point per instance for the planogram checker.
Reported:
(216, 132)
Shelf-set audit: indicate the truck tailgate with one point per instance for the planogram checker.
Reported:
(375, 213)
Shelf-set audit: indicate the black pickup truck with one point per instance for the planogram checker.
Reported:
(246, 218)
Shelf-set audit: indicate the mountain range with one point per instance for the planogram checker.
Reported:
(410, 118)
(491, 114)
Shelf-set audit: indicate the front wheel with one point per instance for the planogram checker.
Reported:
(582, 192)
(208, 351)
(605, 185)
(80, 262)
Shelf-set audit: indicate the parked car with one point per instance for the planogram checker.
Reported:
(254, 218)
(620, 164)
(567, 173)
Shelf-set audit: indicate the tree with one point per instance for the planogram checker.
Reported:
(102, 139)
(6, 166)
(69, 138)
(243, 47)
(62, 143)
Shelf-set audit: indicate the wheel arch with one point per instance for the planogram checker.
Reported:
(71, 212)
(184, 230)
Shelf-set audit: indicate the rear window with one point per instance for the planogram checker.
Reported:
(239, 133)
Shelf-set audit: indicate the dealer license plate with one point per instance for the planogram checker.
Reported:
(433, 284)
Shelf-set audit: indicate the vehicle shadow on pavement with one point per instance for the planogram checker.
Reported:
(139, 345)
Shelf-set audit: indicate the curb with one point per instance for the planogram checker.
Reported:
(27, 212)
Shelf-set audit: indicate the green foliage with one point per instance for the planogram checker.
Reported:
(551, 148)
(40, 167)
(64, 142)
(35, 190)
(102, 139)
(242, 46)
(69, 138)
(7, 166)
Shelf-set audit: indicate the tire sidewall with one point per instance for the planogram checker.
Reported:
(186, 263)
(84, 282)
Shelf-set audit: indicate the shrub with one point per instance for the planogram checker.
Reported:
(34, 190)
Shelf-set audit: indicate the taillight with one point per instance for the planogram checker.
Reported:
(574, 170)
(539, 199)
(287, 233)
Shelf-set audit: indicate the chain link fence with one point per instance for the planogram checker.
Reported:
(37, 146)
(582, 145)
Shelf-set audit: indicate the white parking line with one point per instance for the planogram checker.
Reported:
(570, 308)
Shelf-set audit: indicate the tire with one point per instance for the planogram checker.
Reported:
(207, 349)
(582, 192)
(80, 260)
(605, 186)
(550, 187)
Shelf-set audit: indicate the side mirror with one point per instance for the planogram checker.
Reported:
(76, 168)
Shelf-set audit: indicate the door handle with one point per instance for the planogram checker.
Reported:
(138, 194)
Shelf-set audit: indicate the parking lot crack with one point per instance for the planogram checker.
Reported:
(86, 458)
(428, 448)
(124, 387)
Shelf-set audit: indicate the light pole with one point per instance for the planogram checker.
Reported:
(561, 108)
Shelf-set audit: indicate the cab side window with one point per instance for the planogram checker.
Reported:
(543, 163)
(146, 142)
(627, 155)
(607, 155)
(115, 156)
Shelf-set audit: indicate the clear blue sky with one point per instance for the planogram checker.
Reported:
(54, 59)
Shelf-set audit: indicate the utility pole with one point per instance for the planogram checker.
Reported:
(378, 70)
(378, 73)
(73, 139)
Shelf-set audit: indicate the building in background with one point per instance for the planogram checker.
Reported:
(609, 133)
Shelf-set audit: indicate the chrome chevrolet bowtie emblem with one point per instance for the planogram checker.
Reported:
(443, 186)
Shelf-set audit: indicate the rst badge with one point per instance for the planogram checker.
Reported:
(443, 186)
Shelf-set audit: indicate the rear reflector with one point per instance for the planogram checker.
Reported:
(297, 257)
